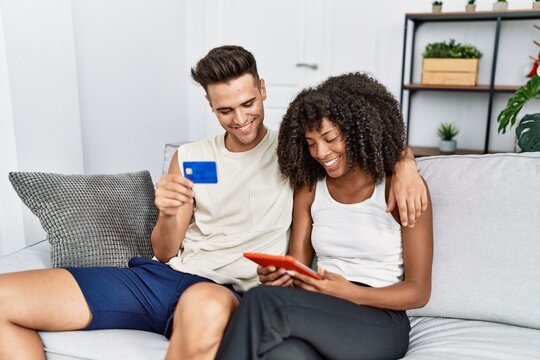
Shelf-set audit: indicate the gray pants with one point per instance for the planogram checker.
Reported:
(285, 323)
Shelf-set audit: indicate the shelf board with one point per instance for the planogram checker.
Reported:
(474, 16)
(429, 151)
(479, 88)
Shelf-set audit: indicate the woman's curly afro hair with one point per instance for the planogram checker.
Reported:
(365, 112)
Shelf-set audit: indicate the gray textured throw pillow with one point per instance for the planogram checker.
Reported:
(91, 220)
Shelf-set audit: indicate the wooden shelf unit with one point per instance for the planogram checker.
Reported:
(415, 20)
(478, 88)
(429, 151)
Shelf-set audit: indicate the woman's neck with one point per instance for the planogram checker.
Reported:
(353, 187)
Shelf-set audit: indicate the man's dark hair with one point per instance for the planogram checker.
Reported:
(365, 112)
(223, 64)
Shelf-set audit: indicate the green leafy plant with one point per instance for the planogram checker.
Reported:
(451, 49)
(447, 131)
(472, 2)
(528, 129)
(436, 3)
(501, 0)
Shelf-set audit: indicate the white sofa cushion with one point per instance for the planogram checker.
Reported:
(451, 339)
(104, 345)
(486, 223)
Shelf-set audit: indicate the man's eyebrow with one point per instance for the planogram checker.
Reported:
(249, 100)
(223, 108)
(230, 108)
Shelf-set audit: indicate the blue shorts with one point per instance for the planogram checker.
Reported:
(140, 297)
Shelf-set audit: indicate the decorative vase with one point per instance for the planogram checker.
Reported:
(500, 6)
(448, 146)
(437, 9)
(471, 7)
(536, 5)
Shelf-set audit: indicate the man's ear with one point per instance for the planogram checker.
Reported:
(262, 89)
(209, 102)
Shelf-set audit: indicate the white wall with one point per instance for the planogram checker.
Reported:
(103, 78)
(11, 223)
(41, 89)
(132, 73)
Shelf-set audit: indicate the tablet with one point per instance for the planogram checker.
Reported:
(282, 261)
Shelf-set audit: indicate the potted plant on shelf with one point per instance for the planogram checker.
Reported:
(447, 131)
(471, 6)
(528, 129)
(536, 5)
(450, 63)
(500, 5)
(436, 7)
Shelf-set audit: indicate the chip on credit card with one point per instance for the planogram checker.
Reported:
(201, 172)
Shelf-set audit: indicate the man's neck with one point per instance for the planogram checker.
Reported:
(239, 147)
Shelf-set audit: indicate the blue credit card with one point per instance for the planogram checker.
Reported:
(201, 172)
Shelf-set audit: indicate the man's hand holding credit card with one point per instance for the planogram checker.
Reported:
(200, 172)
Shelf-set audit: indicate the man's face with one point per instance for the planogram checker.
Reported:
(238, 106)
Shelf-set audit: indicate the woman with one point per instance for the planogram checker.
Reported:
(338, 144)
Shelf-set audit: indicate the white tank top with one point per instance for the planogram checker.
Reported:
(249, 209)
(361, 242)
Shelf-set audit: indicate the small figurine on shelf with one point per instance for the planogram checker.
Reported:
(471, 6)
(500, 5)
(436, 7)
(447, 131)
(532, 68)
(536, 5)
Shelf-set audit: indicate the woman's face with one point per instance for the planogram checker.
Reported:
(327, 146)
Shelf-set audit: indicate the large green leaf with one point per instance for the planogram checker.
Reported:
(516, 103)
(528, 132)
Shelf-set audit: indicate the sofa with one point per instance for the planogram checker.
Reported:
(485, 301)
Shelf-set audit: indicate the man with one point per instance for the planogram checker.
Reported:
(201, 233)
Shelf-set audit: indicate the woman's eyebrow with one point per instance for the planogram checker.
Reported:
(323, 134)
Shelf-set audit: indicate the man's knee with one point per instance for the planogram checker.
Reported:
(205, 305)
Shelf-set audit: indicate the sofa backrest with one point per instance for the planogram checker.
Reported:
(486, 223)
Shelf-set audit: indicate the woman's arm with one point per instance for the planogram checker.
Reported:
(415, 289)
(413, 292)
(299, 242)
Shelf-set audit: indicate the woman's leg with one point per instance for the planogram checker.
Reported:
(200, 318)
(48, 300)
(335, 328)
(293, 349)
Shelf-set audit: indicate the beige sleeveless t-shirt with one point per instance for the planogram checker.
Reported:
(248, 210)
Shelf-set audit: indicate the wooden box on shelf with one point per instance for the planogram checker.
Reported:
(462, 72)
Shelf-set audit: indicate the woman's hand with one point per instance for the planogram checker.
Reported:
(330, 284)
(269, 275)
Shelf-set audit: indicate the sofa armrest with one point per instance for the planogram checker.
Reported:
(32, 257)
